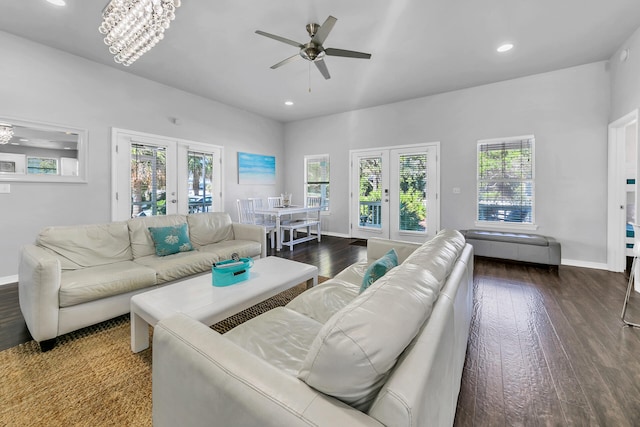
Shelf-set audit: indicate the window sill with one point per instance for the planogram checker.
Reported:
(505, 226)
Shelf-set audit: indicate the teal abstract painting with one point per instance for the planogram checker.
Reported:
(256, 169)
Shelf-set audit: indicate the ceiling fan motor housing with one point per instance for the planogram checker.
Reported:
(312, 52)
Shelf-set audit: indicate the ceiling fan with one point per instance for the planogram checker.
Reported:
(313, 50)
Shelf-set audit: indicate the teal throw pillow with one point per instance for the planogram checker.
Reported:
(171, 240)
(379, 268)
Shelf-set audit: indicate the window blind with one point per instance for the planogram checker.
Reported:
(506, 181)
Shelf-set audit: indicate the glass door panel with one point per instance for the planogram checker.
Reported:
(200, 182)
(370, 194)
(414, 186)
(412, 170)
(148, 180)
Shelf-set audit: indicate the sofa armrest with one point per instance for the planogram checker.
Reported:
(39, 275)
(253, 232)
(377, 247)
(202, 379)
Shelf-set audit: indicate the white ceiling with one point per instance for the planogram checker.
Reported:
(418, 47)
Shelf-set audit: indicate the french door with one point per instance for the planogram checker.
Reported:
(155, 175)
(394, 193)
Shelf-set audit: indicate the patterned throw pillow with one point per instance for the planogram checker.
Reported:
(379, 268)
(171, 240)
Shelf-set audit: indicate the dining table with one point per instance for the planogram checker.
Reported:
(282, 211)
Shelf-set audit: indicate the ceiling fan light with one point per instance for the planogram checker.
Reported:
(6, 133)
(133, 27)
(505, 47)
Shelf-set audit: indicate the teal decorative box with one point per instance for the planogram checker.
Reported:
(229, 272)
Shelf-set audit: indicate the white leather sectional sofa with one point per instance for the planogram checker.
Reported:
(392, 355)
(76, 276)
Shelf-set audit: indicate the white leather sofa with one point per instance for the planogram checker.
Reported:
(392, 355)
(76, 276)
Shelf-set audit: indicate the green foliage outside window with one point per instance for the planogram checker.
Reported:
(412, 190)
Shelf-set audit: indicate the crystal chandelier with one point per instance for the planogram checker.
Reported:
(133, 27)
(6, 133)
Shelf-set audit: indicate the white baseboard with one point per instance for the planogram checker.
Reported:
(585, 264)
(8, 280)
(332, 234)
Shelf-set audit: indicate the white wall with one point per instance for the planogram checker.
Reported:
(566, 110)
(625, 79)
(38, 83)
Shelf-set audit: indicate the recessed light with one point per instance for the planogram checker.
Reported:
(288, 103)
(24, 140)
(58, 2)
(505, 47)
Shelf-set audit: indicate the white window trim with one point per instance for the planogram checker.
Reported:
(503, 225)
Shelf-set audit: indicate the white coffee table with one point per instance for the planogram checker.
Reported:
(198, 298)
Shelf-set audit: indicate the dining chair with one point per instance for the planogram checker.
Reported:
(276, 202)
(632, 275)
(247, 215)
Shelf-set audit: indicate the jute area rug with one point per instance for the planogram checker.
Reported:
(91, 377)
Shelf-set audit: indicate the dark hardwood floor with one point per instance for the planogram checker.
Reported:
(545, 348)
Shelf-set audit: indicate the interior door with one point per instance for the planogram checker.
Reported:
(395, 193)
(623, 160)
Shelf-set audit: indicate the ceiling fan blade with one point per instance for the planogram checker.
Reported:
(280, 39)
(346, 53)
(324, 30)
(323, 69)
(286, 61)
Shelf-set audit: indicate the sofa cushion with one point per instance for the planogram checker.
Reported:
(438, 255)
(223, 250)
(93, 283)
(323, 301)
(379, 268)
(171, 240)
(356, 348)
(209, 227)
(178, 266)
(141, 241)
(81, 246)
(354, 273)
(280, 336)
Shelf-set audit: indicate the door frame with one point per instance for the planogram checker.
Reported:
(616, 198)
(121, 170)
(434, 209)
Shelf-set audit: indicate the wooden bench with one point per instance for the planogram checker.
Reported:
(514, 246)
(295, 225)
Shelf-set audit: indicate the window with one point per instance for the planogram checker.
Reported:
(316, 172)
(506, 180)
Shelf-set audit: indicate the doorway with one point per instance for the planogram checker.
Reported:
(394, 193)
(155, 175)
(622, 189)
